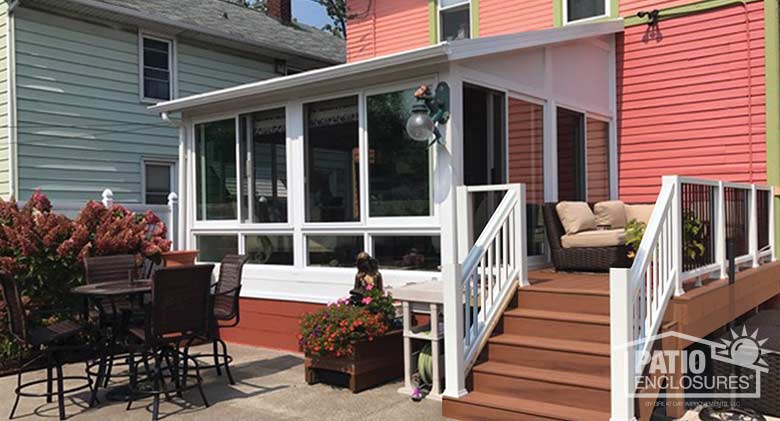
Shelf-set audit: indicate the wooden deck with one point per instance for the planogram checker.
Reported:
(549, 279)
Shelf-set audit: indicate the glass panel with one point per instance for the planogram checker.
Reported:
(526, 164)
(571, 155)
(215, 170)
(598, 160)
(455, 24)
(583, 9)
(333, 251)
(332, 161)
(263, 148)
(409, 253)
(157, 179)
(270, 249)
(156, 69)
(447, 3)
(212, 248)
(399, 168)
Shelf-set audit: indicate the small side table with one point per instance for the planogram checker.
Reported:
(422, 298)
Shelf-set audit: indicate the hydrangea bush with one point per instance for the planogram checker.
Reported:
(44, 251)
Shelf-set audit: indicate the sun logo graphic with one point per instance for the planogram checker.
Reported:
(730, 368)
(743, 350)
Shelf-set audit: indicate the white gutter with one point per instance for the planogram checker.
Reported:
(11, 93)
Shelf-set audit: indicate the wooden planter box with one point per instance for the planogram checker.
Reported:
(179, 258)
(372, 364)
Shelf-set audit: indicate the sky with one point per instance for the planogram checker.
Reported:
(309, 12)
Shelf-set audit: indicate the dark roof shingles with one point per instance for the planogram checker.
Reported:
(243, 23)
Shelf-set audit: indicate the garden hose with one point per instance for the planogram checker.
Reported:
(425, 365)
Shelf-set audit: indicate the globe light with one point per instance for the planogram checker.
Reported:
(420, 126)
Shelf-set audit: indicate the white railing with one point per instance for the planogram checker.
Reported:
(167, 213)
(661, 269)
(490, 270)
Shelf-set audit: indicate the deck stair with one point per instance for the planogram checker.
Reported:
(548, 359)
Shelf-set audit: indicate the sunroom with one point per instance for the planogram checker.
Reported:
(303, 172)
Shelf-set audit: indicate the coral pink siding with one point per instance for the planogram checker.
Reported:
(381, 27)
(630, 7)
(497, 17)
(691, 100)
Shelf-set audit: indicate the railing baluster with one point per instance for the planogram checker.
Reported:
(467, 304)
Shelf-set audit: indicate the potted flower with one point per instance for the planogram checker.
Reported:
(352, 343)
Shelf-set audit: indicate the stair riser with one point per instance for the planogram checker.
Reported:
(575, 396)
(464, 411)
(574, 303)
(548, 359)
(556, 329)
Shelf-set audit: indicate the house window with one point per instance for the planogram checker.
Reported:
(332, 161)
(575, 10)
(263, 159)
(215, 170)
(334, 251)
(158, 182)
(157, 68)
(269, 249)
(422, 252)
(399, 176)
(212, 248)
(571, 155)
(455, 19)
(597, 134)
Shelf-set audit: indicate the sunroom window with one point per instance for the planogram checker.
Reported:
(455, 19)
(584, 9)
(332, 161)
(215, 170)
(398, 167)
(263, 159)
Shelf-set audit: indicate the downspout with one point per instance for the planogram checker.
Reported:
(11, 92)
(182, 182)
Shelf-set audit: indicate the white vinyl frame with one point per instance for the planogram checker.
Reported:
(463, 4)
(296, 226)
(565, 13)
(173, 85)
(170, 163)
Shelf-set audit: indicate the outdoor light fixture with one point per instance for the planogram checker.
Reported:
(430, 111)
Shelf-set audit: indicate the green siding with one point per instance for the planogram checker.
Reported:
(4, 152)
(82, 127)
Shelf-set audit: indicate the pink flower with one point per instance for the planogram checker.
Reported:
(366, 300)
(369, 287)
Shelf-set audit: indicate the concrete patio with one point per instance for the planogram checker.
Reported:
(269, 386)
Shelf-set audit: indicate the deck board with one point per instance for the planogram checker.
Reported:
(575, 281)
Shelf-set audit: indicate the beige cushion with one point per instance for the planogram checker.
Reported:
(575, 217)
(639, 212)
(612, 213)
(595, 238)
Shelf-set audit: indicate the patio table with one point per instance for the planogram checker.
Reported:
(111, 291)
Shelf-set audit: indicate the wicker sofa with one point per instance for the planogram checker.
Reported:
(576, 256)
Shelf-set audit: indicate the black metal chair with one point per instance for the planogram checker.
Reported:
(111, 314)
(226, 312)
(179, 314)
(51, 343)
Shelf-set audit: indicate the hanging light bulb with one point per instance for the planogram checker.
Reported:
(420, 126)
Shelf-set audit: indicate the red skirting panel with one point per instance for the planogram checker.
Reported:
(269, 323)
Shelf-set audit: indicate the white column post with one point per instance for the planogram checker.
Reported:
(772, 224)
(677, 240)
(520, 233)
(720, 230)
(183, 185)
(753, 224)
(622, 354)
(108, 198)
(464, 220)
(173, 212)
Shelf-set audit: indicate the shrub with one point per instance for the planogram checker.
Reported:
(44, 251)
(694, 232)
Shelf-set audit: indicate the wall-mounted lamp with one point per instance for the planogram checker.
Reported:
(430, 111)
(652, 16)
